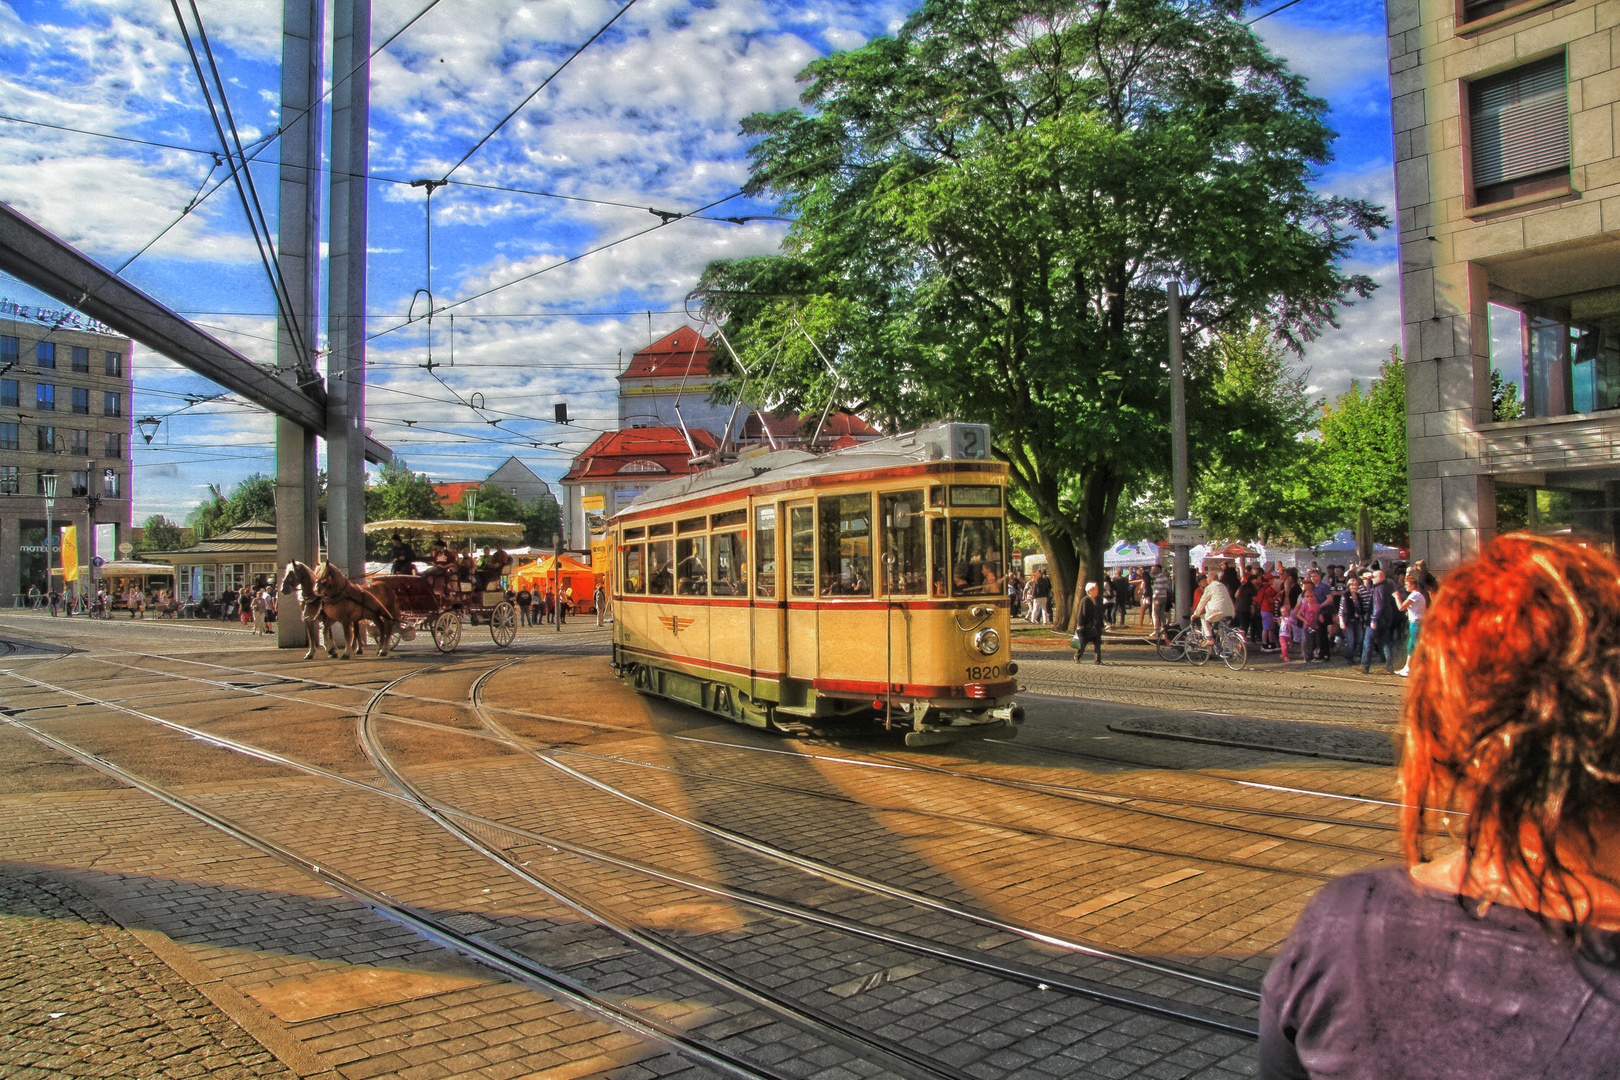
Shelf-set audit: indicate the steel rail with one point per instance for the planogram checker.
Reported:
(803, 863)
(894, 1056)
(513, 965)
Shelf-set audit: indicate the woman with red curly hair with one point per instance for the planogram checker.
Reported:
(1498, 958)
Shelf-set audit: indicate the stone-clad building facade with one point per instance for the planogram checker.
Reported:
(1508, 191)
(65, 401)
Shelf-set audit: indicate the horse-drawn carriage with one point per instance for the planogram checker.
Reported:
(443, 600)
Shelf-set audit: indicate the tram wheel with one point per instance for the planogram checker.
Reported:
(447, 631)
(503, 623)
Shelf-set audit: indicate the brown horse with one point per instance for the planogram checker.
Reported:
(351, 607)
(300, 579)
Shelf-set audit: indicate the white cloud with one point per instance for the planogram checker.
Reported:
(1364, 337)
(1332, 61)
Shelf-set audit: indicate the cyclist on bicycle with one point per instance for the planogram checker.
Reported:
(1215, 606)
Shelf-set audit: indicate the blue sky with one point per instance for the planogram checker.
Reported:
(646, 117)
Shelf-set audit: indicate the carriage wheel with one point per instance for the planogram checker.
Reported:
(447, 631)
(503, 623)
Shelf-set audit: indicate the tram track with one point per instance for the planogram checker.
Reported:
(898, 1059)
(1092, 797)
(825, 871)
(877, 760)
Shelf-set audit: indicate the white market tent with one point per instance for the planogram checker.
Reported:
(1125, 553)
(1342, 548)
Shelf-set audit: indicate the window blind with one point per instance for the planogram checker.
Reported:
(1519, 122)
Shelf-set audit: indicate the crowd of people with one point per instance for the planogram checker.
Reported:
(1313, 615)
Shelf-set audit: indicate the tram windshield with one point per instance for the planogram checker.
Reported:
(976, 557)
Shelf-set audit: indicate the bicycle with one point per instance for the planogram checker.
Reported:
(1232, 647)
(1187, 643)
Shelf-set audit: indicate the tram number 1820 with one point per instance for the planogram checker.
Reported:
(984, 674)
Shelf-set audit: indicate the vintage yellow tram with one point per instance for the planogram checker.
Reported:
(788, 590)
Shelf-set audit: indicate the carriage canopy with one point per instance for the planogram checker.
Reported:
(451, 529)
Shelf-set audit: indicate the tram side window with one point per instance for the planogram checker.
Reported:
(802, 549)
(765, 551)
(692, 565)
(846, 545)
(635, 580)
(976, 557)
(661, 567)
(942, 552)
(730, 556)
(905, 563)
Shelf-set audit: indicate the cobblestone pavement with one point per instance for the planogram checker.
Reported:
(81, 996)
(1076, 828)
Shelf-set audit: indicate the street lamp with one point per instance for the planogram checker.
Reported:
(92, 501)
(47, 481)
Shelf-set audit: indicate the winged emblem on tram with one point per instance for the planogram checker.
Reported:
(675, 624)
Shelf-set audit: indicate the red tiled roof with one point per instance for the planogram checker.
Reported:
(839, 425)
(671, 356)
(631, 453)
(451, 491)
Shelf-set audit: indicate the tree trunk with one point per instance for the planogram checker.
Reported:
(1063, 567)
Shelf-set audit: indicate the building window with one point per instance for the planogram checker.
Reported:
(79, 481)
(1518, 131)
(8, 349)
(9, 437)
(79, 443)
(45, 353)
(81, 360)
(115, 363)
(115, 445)
(81, 401)
(112, 406)
(40, 478)
(8, 392)
(45, 439)
(109, 485)
(9, 480)
(45, 397)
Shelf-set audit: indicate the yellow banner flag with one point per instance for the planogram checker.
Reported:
(70, 553)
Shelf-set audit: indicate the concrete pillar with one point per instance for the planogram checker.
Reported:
(298, 254)
(346, 288)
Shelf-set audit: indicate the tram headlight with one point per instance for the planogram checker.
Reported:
(987, 641)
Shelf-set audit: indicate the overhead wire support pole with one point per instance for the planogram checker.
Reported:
(1182, 563)
(346, 287)
(298, 260)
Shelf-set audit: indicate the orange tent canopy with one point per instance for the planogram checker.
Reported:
(539, 575)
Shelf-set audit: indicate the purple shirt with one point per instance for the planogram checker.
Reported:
(1385, 979)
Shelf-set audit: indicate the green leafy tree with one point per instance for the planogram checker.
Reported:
(1363, 454)
(161, 534)
(542, 519)
(401, 494)
(253, 499)
(1505, 401)
(988, 207)
(207, 516)
(1251, 463)
(494, 503)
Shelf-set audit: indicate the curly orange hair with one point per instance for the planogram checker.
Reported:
(1513, 711)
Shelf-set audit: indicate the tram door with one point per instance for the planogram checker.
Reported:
(801, 642)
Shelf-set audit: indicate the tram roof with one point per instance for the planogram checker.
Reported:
(937, 442)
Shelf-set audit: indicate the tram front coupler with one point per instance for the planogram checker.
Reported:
(933, 726)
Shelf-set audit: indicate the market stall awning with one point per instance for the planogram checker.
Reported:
(450, 528)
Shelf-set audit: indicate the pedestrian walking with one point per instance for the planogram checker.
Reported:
(1414, 604)
(599, 601)
(524, 599)
(1122, 597)
(1041, 598)
(1381, 624)
(1088, 625)
(260, 606)
(1161, 598)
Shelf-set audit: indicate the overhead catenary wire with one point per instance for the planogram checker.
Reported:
(533, 93)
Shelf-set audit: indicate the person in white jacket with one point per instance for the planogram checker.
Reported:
(1214, 606)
